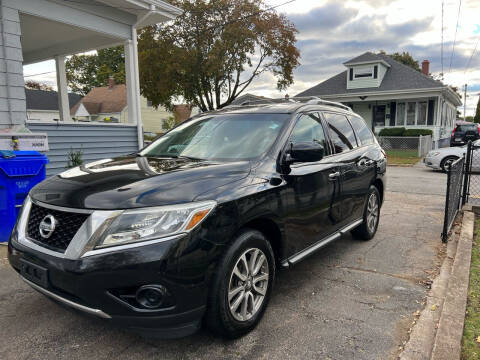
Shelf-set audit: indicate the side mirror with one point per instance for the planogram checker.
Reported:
(306, 152)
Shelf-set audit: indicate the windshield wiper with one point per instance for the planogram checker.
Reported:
(171, 156)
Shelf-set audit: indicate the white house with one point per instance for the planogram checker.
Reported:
(387, 93)
(36, 30)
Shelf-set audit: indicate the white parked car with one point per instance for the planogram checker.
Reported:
(440, 159)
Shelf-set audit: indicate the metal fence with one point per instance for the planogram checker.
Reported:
(453, 197)
(411, 146)
(471, 192)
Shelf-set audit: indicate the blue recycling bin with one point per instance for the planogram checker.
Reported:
(19, 172)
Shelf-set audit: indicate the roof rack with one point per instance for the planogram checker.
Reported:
(308, 100)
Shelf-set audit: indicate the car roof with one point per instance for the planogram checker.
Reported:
(280, 108)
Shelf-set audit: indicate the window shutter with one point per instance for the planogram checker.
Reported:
(375, 71)
(431, 110)
(393, 113)
(351, 74)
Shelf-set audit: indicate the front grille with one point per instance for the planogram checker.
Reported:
(67, 225)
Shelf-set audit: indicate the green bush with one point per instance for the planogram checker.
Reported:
(392, 131)
(401, 131)
(417, 132)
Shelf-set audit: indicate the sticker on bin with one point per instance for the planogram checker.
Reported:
(24, 141)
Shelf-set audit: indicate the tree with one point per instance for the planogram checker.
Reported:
(85, 72)
(477, 112)
(405, 58)
(35, 85)
(212, 52)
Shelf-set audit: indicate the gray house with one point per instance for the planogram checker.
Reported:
(36, 30)
(387, 93)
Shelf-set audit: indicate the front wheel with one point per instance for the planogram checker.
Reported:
(371, 216)
(445, 164)
(242, 285)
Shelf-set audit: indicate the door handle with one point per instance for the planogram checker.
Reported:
(334, 176)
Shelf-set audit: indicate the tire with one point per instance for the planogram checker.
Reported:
(367, 229)
(233, 323)
(448, 160)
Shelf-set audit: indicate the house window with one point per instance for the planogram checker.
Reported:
(149, 103)
(400, 118)
(411, 113)
(363, 72)
(422, 113)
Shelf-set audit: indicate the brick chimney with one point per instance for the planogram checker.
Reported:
(111, 82)
(426, 67)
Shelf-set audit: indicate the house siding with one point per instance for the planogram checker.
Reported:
(12, 91)
(95, 141)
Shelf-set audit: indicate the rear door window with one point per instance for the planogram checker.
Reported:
(340, 132)
(465, 128)
(364, 135)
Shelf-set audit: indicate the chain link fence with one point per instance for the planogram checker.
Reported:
(454, 194)
(406, 146)
(472, 174)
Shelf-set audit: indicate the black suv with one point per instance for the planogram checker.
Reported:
(463, 133)
(195, 226)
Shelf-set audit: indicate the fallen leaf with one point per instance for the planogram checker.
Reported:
(478, 339)
(434, 307)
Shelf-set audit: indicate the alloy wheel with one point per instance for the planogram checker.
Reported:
(372, 212)
(248, 285)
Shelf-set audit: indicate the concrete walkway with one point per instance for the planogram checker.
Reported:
(353, 300)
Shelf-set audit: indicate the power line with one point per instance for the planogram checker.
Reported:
(471, 56)
(455, 37)
(441, 50)
(47, 72)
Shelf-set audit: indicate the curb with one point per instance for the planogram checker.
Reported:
(448, 340)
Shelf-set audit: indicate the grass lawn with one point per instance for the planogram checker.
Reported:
(471, 330)
(402, 157)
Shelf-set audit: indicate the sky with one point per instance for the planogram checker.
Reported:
(331, 32)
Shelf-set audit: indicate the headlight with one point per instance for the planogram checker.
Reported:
(152, 223)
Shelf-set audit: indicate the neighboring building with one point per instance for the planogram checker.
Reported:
(43, 105)
(109, 104)
(247, 98)
(387, 93)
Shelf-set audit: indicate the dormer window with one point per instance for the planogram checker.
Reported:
(364, 72)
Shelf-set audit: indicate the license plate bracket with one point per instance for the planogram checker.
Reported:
(34, 273)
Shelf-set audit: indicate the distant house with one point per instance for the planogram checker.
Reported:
(109, 104)
(43, 105)
(247, 98)
(387, 93)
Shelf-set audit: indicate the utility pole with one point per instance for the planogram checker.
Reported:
(465, 103)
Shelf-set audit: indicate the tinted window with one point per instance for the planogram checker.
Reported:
(364, 135)
(340, 132)
(464, 128)
(308, 129)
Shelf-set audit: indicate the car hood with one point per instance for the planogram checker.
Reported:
(131, 182)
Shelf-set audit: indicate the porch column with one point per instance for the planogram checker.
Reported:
(13, 108)
(63, 103)
(133, 86)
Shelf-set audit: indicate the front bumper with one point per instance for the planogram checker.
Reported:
(432, 162)
(91, 285)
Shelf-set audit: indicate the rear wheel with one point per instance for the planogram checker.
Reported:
(242, 286)
(371, 216)
(445, 164)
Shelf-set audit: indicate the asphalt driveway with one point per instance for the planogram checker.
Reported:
(353, 300)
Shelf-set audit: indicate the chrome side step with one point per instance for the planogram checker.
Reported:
(70, 303)
(292, 260)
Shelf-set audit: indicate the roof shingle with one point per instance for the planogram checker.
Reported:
(47, 100)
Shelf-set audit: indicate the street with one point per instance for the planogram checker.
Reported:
(352, 300)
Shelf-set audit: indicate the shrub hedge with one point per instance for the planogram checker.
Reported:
(401, 131)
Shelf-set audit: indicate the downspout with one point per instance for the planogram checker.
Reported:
(137, 76)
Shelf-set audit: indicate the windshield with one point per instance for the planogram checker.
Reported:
(220, 137)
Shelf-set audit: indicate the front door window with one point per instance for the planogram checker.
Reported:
(379, 115)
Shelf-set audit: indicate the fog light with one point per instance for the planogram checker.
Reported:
(151, 296)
